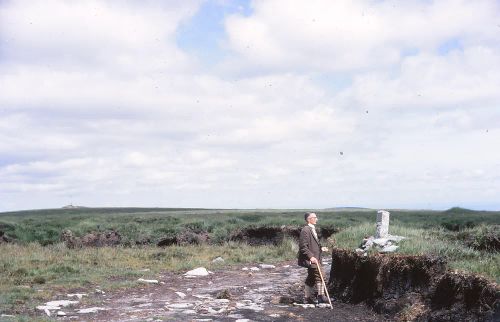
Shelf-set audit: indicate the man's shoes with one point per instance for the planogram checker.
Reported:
(323, 299)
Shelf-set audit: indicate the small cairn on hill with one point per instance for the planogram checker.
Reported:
(382, 241)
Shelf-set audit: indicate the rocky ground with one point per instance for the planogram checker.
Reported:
(235, 294)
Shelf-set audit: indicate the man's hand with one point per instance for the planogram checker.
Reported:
(324, 249)
(314, 260)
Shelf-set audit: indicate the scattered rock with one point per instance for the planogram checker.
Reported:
(266, 266)
(181, 295)
(78, 295)
(141, 280)
(218, 260)
(200, 271)
(61, 313)
(90, 310)
(254, 269)
(389, 249)
(180, 305)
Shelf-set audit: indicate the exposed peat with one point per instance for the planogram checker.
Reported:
(412, 287)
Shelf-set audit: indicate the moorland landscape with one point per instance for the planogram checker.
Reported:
(46, 253)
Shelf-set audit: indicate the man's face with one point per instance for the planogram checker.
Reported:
(312, 219)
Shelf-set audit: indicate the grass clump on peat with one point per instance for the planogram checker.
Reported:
(435, 241)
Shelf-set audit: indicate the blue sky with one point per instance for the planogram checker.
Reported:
(250, 104)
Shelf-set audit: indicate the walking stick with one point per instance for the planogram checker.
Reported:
(324, 286)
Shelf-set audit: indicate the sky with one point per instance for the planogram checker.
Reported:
(250, 104)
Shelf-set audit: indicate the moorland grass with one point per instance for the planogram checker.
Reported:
(133, 224)
(32, 273)
(37, 266)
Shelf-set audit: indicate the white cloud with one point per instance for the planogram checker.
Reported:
(99, 106)
(327, 35)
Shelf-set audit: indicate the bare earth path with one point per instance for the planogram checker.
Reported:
(254, 296)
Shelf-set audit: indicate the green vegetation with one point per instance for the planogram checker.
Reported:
(33, 273)
(37, 266)
(134, 224)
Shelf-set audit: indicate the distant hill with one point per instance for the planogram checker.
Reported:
(71, 206)
(458, 210)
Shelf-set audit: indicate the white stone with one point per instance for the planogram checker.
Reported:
(267, 266)
(305, 306)
(235, 316)
(181, 295)
(218, 260)
(144, 270)
(286, 266)
(242, 320)
(382, 224)
(94, 309)
(62, 303)
(180, 305)
(189, 312)
(61, 313)
(78, 295)
(381, 241)
(244, 269)
(254, 269)
(394, 238)
(141, 280)
(189, 289)
(200, 271)
(221, 301)
(389, 249)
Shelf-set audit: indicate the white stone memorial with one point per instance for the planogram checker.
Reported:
(382, 224)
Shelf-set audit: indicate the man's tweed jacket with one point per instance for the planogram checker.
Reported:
(309, 246)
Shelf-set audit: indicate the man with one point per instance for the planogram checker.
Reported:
(310, 257)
